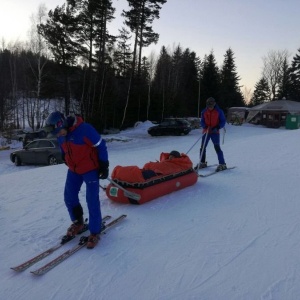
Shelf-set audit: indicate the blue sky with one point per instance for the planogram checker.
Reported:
(250, 28)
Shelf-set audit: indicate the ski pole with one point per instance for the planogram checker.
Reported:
(224, 131)
(102, 187)
(203, 148)
(193, 145)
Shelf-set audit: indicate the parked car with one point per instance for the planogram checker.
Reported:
(171, 127)
(15, 134)
(38, 152)
(195, 122)
(33, 135)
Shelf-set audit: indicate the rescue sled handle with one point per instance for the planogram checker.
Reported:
(128, 194)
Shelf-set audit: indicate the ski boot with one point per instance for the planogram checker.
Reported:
(93, 240)
(221, 167)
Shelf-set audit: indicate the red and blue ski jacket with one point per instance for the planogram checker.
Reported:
(83, 147)
(212, 119)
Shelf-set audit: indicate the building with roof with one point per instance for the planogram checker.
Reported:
(273, 114)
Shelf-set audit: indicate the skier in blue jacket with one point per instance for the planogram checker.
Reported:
(85, 153)
(212, 120)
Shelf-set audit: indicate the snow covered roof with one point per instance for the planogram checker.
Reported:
(281, 105)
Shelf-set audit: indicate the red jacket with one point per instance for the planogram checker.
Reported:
(83, 147)
(212, 118)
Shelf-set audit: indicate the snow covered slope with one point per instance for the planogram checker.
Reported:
(234, 235)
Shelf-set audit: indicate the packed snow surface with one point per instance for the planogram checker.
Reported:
(233, 235)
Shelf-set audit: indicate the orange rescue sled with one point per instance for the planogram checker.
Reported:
(129, 186)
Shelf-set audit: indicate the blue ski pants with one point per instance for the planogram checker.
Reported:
(71, 196)
(215, 138)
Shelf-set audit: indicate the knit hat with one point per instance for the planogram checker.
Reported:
(210, 102)
(175, 153)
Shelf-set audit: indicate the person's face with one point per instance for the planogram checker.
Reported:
(210, 105)
(62, 132)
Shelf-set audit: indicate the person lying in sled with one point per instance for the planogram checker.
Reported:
(151, 169)
(169, 163)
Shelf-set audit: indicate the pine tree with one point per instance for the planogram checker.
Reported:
(187, 84)
(262, 92)
(139, 18)
(230, 89)
(161, 83)
(59, 33)
(5, 88)
(123, 53)
(295, 77)
(175, 80)
(285, 85)
(211, 81)
(92, 17)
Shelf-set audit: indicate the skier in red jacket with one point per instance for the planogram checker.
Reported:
(85, 153)
(212, 120)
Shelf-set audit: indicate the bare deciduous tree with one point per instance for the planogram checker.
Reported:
(272, 69)
(37, 45)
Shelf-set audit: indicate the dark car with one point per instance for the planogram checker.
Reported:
(38, 152)
(31, 136)
(171, 127)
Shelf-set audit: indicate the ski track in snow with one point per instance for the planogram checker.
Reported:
(194, 283)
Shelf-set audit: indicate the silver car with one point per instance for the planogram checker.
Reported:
(38, 152)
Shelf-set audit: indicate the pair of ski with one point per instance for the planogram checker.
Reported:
(50, 265)
(213, 172)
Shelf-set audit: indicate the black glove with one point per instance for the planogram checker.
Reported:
(103, 169)
(215, 129)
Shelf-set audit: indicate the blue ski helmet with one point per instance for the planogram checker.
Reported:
(55, 122)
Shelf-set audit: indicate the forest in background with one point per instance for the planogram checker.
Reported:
(71, 57)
